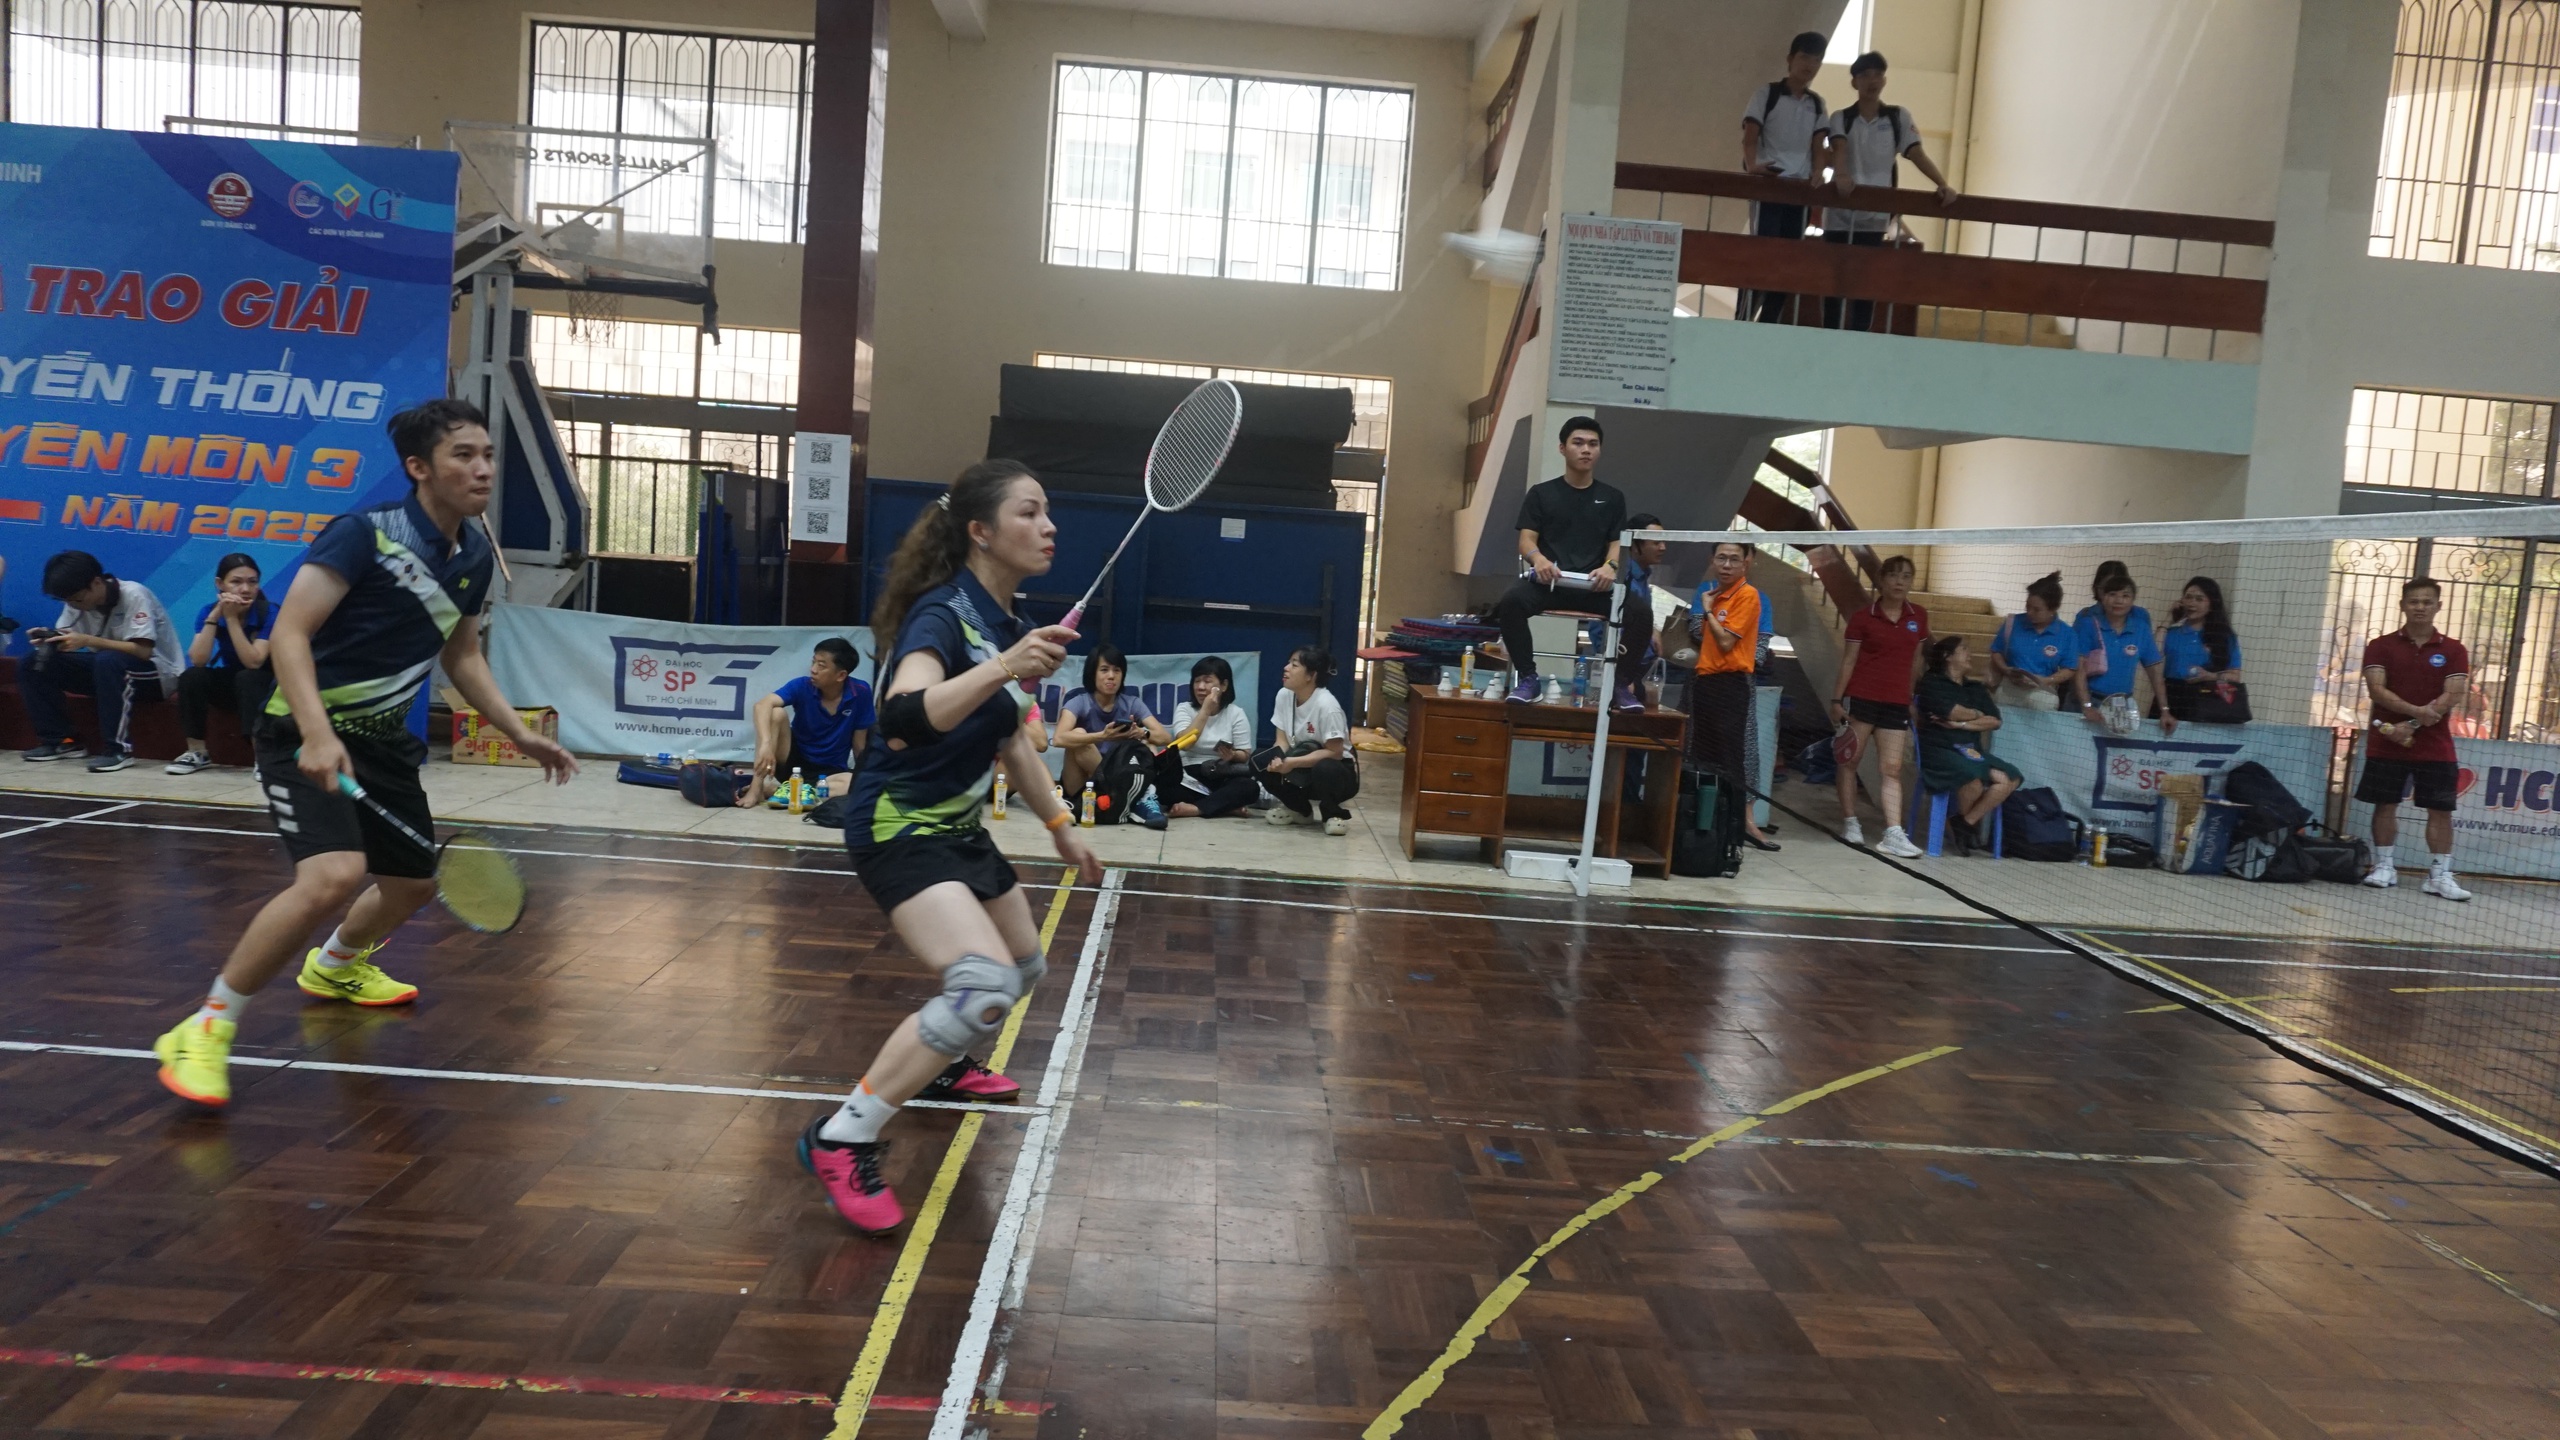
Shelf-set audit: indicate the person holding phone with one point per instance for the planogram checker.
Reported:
(113, 643)
(226, 660)
(1103, 716)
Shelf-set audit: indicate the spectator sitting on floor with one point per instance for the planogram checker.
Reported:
(113, 643)
(1208, 770)
(1308, 768)
(816, 724)
(226, 660)
(2035, 659)
(2117, 647)
(1957, 716)
(2200, 653)
(1101, 717)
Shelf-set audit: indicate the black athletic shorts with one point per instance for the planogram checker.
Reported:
(312, 821)
(2388, 782)
(896, 871)
(1879, 714)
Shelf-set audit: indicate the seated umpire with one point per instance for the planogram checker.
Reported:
(816, 724)
(1571, 523)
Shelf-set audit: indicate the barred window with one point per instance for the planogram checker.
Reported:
(749, 95)
(2470, 170)
(137, 64)
(1235, 176)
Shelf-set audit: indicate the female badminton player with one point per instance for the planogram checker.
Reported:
(951, 710)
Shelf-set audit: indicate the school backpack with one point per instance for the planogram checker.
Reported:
(1706, 839)
(2272, 808)
(2034, 826)
(1126, 770)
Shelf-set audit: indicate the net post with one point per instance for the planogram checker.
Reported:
(1605, 699)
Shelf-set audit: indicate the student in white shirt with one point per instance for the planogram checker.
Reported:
(113, 643)
(1208, 771)
(1781, 134)
(1864, 144)
(1309, 768)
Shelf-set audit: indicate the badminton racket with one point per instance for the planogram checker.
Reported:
(1180, 464)
(475, 881)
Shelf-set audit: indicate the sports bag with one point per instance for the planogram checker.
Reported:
(1126, 772)
(1706, 839)
(2343, 859)
(2034, 826)
(2277, 859)
(712, 786)
(651, 774)
(2272, 808)
(2207, 702)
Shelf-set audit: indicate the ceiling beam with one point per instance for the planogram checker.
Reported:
(966, 19)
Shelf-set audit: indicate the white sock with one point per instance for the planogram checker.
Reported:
(859, 1119)
(223, 1003)
(2382, 858)
(2440, 864)
(339, 951)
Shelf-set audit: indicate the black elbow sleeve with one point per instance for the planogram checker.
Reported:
(902, 718)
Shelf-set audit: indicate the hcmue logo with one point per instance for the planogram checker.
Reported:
(2509, 787)
(673, 678)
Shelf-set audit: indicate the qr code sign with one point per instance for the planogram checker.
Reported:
(822, 487)
(822, 452)
(819, 521)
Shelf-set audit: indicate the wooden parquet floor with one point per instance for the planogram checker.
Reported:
(1314, 1129)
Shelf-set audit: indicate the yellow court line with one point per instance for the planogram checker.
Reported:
(2201, 988)
(2473, 989)
(891, 1312)
(1491, 1308)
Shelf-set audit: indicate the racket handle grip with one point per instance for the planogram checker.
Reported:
(347, 785)
(1075, 617)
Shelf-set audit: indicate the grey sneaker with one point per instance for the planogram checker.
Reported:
(50, 750)
(109, 762)
(189, 763)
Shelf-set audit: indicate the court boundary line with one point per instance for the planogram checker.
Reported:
(1016, 1236)
(1491, 1309)
(890, 1314)
(65, 820)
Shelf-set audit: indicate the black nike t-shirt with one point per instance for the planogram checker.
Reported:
(1574, 527)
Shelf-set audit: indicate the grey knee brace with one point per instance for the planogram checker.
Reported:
(1031, 968)
(977, 993)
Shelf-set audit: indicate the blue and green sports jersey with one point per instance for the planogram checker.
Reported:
(407, 587)
(941, 789)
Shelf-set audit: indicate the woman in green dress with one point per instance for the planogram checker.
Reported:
(1957, 715)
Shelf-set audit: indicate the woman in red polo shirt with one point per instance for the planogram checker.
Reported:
(1880, 658)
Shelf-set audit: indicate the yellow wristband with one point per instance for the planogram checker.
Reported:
(1061, 820)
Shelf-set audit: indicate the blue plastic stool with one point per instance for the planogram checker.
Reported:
(1936, 803)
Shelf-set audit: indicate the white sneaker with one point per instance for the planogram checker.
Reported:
(2383, 877)
(1897, 844)
(2442, 883)
(1341, 825)
(1280, 815)
(1852, 832)
(189, 763)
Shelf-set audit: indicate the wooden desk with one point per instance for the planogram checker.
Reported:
(1457, 776)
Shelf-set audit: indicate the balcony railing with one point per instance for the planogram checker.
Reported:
(1497, 116)
(1980, 268)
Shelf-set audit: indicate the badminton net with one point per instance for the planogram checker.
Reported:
(2184, 767)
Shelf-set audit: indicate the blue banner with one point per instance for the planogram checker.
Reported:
(200, 340)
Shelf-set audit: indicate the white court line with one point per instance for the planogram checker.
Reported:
(500, 1077)
(65, 820)
(1728, 932)
(1026, 1198)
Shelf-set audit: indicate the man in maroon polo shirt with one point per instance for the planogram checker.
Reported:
(2416, 678)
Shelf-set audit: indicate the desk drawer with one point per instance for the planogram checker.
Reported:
(1465, 774)
(1444, 814)
(1467, 737)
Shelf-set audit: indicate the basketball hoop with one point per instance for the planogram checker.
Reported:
(595, 316)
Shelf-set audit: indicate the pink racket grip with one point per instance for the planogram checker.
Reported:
(1075, 617)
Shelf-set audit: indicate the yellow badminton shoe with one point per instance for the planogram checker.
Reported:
(195, 1059)
(359, 981)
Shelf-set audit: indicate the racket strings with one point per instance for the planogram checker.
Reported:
(479, 884)
(1193, 444)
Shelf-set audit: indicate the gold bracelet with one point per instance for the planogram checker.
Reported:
(1061, 820)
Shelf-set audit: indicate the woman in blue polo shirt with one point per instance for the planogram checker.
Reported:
(226, 660)
(2035, 658)
(2200, 654)
(951, 710)
(2117, 646)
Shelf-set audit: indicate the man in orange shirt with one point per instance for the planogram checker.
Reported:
(1720, 696)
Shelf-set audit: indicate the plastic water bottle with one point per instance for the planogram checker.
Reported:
(1581, 668)
(1084, 814)
(1467, 668)
(999, 810)
(797, 802)
(2098, 848)
(688, 758)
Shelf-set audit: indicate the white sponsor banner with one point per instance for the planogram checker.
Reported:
(625, 686)
(2115, 779)
(1616, 283)
(1163, 681)
(2506, 814)
(821, 485)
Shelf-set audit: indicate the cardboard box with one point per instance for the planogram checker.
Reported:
(477, 742)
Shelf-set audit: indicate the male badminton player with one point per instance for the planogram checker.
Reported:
(381, 597)
(951, 710)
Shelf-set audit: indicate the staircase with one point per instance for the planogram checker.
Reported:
(1976, 620)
